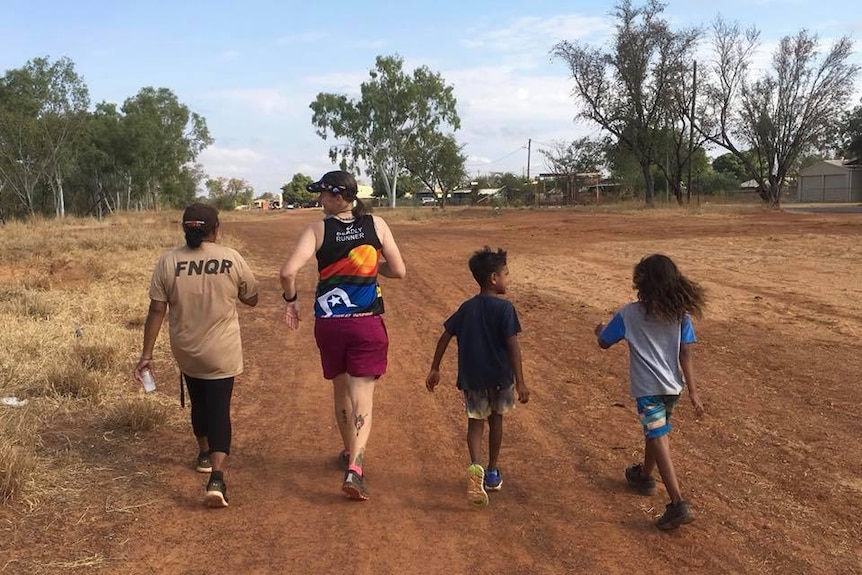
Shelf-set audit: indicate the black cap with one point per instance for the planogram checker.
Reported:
(200, 216)
(336, 182)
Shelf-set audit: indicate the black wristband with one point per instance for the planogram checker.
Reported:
(289, 300)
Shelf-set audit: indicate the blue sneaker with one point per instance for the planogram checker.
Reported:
(493, 480)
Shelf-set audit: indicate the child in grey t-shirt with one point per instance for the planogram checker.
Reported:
(659, 332)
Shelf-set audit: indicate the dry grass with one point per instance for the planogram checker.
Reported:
(17, 466)
(18, 462)
(73, 300)
(136, 414)
(19, 443)
(74, 381)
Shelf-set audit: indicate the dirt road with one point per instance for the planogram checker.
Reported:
(772, 471)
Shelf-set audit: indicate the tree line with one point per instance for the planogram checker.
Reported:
(657, 110)
(58, 155)
(658, 107)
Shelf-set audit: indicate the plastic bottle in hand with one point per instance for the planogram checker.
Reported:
(149, 382)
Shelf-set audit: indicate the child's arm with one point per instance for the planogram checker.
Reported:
(687, 364)
(608, 335)
(434, 374)
(598, 331)
(515, 357)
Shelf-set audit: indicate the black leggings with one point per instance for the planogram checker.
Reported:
(210, 400)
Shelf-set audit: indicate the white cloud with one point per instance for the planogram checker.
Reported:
(231, 162)
(536, 36)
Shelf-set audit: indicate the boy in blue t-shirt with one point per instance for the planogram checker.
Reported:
(489, 361)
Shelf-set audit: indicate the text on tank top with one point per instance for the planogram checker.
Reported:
(348, 262)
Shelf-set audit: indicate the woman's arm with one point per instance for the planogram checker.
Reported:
(155, 317)
(305, 248)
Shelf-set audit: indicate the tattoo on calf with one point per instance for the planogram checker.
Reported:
(359, 423)
(360, 457)
(344, 416)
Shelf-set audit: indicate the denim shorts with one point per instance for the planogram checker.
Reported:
(655, 412)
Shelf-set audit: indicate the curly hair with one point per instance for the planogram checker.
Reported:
(485, 262)
(664, 292)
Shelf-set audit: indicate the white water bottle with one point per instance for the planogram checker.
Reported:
(149, 382)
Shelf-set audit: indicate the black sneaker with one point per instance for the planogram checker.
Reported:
(674, 516)
(636, 479)
(203, 464)
(216, 495)
(354, 487)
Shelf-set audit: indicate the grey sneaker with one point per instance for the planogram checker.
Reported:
(635, 478)
(354, 487)
(216, 494)
(203, 464)
(674, 516)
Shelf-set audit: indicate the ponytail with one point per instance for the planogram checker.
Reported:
(359, 209)
(199, 221)
(195, 237)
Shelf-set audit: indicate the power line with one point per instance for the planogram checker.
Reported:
(510, 154)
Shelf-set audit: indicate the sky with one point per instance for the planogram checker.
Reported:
(252, 68)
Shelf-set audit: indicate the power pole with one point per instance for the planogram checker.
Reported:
(529, 146)
(691, 135)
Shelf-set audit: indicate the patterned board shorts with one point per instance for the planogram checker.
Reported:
(481, 403)
(655, 412)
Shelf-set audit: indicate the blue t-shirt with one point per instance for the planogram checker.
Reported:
(482, 326)
(653, 349)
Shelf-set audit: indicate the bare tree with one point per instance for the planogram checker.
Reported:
(791, 109)
(627, 88)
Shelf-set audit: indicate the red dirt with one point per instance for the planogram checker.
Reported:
(772, 471)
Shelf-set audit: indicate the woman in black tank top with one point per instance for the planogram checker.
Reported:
(352, 249)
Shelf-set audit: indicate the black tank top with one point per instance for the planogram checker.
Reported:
(348, 261)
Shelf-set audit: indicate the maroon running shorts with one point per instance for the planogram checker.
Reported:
(357, 346)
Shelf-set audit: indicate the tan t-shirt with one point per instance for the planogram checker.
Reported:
(201, 287)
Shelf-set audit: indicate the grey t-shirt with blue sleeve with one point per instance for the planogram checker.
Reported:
(653, 348)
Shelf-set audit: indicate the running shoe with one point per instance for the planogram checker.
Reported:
(674, 516)
(203, 463)
(493, 480)
(354, 486)
(635, 478)
(216, 495)
(476, 494)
